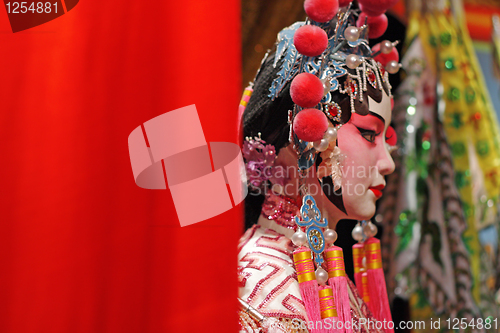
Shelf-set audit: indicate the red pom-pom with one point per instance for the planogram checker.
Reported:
(377, 24)
(310, 40)
(370, 11)
(390, 136)
(321, 10)
(306, 90)
(310, 125)
(343, 3)
(385, 58)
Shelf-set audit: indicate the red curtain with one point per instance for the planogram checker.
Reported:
(82, 248)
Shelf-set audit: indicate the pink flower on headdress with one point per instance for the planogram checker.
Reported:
(259, 163)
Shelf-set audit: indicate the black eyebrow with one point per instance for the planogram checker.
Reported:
(378, 116)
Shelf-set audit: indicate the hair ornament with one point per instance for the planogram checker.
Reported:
(333, 111)
(259, 163)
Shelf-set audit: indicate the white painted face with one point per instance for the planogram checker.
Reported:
(367, 160)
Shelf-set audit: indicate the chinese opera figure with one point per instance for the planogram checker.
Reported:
(317, 146)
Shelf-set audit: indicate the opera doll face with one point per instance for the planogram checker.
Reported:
(365, 160)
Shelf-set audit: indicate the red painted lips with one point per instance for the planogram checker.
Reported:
(377, 190)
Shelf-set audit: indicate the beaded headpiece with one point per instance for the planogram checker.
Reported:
(313, 55)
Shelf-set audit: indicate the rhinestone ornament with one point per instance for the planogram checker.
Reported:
(333, 111)
(372, 77)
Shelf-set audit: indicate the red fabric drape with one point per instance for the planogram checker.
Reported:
(82, 248)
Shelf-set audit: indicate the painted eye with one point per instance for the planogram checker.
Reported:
(370, 137)
(390, 136)
(367, 134)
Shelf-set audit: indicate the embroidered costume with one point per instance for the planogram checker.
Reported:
(267, 278)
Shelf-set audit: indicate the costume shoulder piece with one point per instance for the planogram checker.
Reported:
(266, 276)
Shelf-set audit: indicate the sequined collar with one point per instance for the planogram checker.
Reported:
(282, 211)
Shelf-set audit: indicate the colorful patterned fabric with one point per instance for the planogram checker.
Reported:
(443, 199)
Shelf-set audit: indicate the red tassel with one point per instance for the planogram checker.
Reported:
(328, 310)
(304, 267)
(358, 253)
(379, 302)
(338, 281)
(365, 294)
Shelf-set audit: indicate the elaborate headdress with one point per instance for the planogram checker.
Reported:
(320, 73)
(324, 59)
(317, 77)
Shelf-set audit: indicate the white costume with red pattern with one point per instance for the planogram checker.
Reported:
(268, 281)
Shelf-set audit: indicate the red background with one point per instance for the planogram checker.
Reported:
(82, 248)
